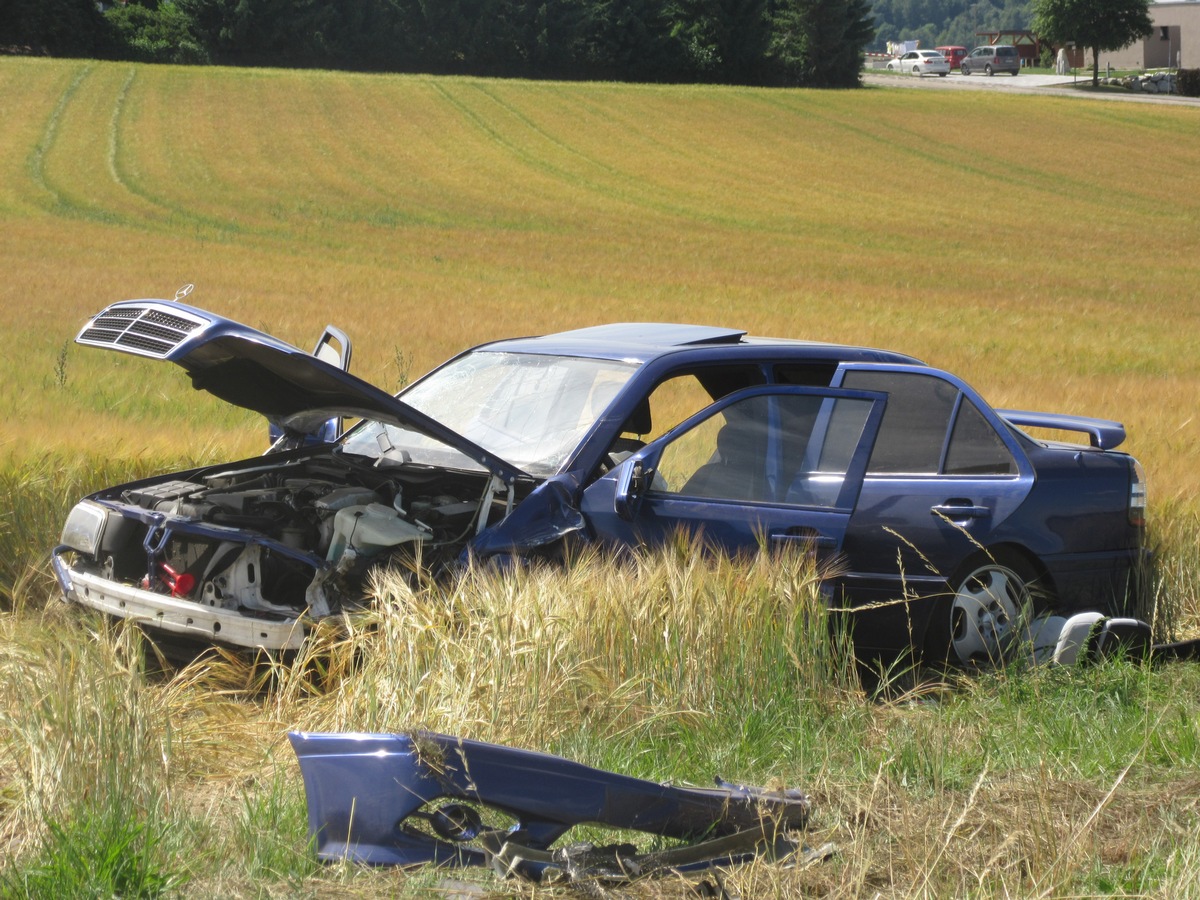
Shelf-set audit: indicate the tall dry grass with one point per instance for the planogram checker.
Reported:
(670, 666)
(646, 645)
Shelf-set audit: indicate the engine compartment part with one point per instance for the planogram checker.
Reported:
(275, 541)
(369, 530)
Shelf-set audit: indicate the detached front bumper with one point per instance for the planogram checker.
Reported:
(173, 615)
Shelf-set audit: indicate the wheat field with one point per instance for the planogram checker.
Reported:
(1043, 249)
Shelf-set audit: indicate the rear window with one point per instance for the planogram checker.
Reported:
(915, 421)
(1006, 51)
(912, 437)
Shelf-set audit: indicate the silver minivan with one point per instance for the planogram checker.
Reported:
(992, 59)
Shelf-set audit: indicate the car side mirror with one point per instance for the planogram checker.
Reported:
(632, 481)
(334, 348)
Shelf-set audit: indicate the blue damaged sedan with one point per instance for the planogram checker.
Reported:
(950, 524)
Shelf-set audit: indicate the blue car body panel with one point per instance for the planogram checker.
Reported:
(1104, 435)
(393, 799)
(732, 525)
(293, 389)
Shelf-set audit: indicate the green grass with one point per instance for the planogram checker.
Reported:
(103, 855)
(426, 214)
(1024, 782)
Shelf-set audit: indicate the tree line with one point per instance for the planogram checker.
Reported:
(937, 23)
(815, 43)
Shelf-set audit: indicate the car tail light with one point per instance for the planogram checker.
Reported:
(1137, 495)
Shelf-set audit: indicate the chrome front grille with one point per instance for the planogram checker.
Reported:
(145, 329)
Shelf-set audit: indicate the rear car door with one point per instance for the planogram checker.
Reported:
(945, 476)
(775, 464)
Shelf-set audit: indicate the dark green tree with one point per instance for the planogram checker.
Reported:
(820, 43)
(467, 36)
(790, 47)
(1098, 24)
(792, 42)
(631, 40)
(152, 32)
(724, 40)
(378, 35)
(54, 27)
(286, 32)
(348, 34)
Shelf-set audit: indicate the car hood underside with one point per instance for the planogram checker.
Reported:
(295, 391)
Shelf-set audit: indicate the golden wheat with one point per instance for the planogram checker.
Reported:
(1041, 263)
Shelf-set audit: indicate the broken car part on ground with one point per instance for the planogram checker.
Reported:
(423, 798)
(952, 527)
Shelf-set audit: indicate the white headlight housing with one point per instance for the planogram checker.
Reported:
(85, 527)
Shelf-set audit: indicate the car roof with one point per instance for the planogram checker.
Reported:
(641, 342)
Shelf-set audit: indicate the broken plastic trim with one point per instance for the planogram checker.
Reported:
(422, 798)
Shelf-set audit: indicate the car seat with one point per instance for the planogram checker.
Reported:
(735, 471)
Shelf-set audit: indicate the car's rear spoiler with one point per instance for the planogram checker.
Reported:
(1102, 434)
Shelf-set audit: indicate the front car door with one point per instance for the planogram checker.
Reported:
(777, 464)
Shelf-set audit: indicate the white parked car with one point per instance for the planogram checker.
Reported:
(921, 62)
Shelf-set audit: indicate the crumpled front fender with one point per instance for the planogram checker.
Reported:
(547, 515)
(371, 796)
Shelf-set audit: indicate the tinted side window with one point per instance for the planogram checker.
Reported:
(815, 466)
(724, 457)
(975, 448)
(731, 454)
(913, 432)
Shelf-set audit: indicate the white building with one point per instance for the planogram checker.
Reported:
(1175, 42)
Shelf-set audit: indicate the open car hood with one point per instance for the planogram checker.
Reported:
(243, 366)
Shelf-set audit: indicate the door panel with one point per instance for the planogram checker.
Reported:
(950, 475)
(776, 465)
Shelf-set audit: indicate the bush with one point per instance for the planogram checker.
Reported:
(160, 35)
(1187, 82)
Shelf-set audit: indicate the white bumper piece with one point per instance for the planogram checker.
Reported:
(176, 616)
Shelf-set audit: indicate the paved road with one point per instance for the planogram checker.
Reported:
(1044, 85)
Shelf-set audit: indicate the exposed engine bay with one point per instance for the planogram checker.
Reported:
(274, 540)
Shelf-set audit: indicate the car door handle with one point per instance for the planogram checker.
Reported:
(807, 536)
(961, 511)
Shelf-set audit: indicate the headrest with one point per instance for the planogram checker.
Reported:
(639, 420)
